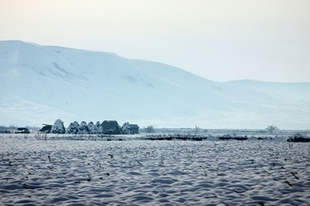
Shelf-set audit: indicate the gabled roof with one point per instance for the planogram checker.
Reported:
(134, 126)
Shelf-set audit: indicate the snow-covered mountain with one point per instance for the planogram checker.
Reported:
(40, 84)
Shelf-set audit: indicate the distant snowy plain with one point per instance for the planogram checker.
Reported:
(143, 172)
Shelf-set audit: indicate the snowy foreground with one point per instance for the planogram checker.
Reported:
(144, 172)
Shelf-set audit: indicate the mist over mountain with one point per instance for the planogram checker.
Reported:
(40, 84)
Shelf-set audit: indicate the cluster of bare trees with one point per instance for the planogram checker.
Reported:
(106, 127)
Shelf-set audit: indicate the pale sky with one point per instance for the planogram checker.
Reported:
(221, 40)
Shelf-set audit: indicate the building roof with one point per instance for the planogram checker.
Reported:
(134, 126)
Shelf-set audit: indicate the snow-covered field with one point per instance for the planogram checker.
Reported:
(143, 172)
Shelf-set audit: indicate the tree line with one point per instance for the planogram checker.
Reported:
(106, 127)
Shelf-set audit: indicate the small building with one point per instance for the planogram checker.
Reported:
(22, 130)
(46, 128)
(134, 128)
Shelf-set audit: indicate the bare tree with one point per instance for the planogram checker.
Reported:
(197, 130)
(149, 129)
(271, 129)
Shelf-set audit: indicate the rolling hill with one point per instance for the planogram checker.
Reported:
(40, 84)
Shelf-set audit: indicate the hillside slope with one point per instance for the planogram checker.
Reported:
(42, 83)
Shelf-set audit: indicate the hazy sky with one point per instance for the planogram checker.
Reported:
(220, 40)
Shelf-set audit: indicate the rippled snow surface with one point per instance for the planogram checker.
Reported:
(62, 172)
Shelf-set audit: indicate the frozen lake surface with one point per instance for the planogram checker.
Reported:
(143, 172)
